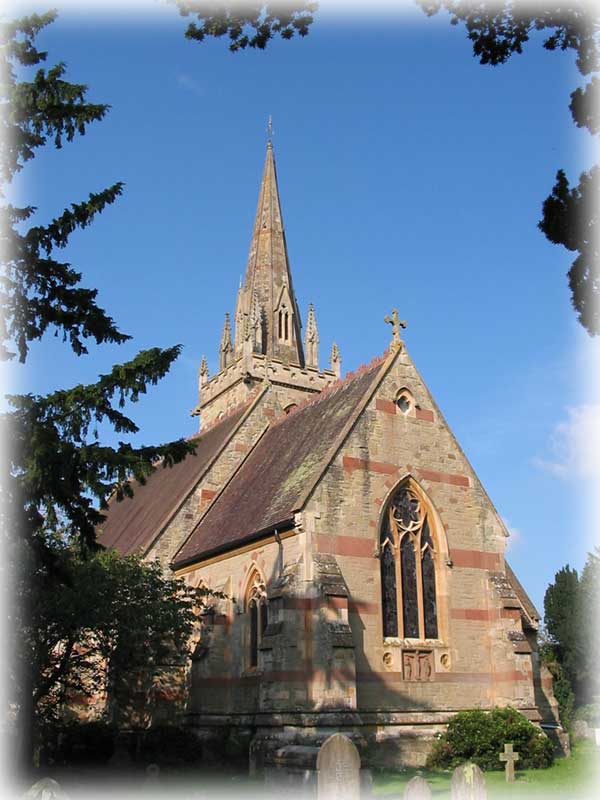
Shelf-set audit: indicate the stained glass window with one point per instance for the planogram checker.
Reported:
(410, 601)
(429, 599)
(256, 606)
(253, 633)
(389, 598)
(406, 524)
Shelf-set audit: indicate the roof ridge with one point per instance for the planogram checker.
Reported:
(333, 388)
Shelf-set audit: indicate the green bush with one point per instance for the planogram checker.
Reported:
(480, 736)
(170, 746)
(83, 743)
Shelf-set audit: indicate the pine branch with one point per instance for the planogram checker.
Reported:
(38, 292)
(58, 466)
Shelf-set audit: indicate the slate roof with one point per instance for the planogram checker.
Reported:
(522, 595)
(133, 523)
(273, 482)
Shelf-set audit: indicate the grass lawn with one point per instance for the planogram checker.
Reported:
(573, 778)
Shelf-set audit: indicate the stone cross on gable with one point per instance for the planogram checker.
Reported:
(510, 758)
(396, 324)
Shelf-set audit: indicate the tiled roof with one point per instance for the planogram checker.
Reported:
(133, 523)
(272, 483)
(522, 595)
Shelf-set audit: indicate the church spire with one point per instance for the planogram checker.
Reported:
(311, 339)
(268, 291)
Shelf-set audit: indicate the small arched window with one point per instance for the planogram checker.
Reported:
(408, 567)
(257, 608)
(283, 327)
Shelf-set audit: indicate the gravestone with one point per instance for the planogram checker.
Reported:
(510, 758)
(417, 789)
(580, 729)
(468, 783)
(45, 789)
(338, 769)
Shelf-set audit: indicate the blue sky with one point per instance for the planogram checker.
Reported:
(410, 176)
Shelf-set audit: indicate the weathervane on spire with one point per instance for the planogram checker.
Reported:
(396, 324)
(269, 130)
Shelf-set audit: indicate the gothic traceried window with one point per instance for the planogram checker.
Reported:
(257, 608)
(408, 569)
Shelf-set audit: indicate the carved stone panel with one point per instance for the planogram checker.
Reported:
(418, 665)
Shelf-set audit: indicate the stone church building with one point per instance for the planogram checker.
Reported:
(362, 560)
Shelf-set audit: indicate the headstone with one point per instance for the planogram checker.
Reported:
(468, 783)
(152, 774)
(597, 736)
(45, 789)
(510, 758)
(338, 769)
(580, 729)
(417, 789)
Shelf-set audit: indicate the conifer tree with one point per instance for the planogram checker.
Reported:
(56, 473)
(56, 468)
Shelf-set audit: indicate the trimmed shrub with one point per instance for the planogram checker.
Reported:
(84, 744)
(480, 736)
(170, 746)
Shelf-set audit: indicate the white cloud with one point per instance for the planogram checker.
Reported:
(187, 82)
(574, 448)
(515, 536)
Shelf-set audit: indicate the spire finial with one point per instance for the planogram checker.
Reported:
(396, 324)
(203, 373)
(269, 131)
(335, 361)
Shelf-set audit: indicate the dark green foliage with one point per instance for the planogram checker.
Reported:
(170, 746)
(38, 292)
(497, 31)
(570, 218)
(480, 736)
(585, 106)
(102, 611)
(83, 744)
(47, 106)
(75, 610)
(59, 468)
(572, 650)
(561, 618)
(500, 29)
(589, 605)
(249, 24)
(563, 691)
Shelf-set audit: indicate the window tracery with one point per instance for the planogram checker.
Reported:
(408, 569)
(257, 608)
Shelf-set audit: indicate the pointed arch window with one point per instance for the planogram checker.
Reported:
(284, 324)
(257, 608)
(408, 569)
